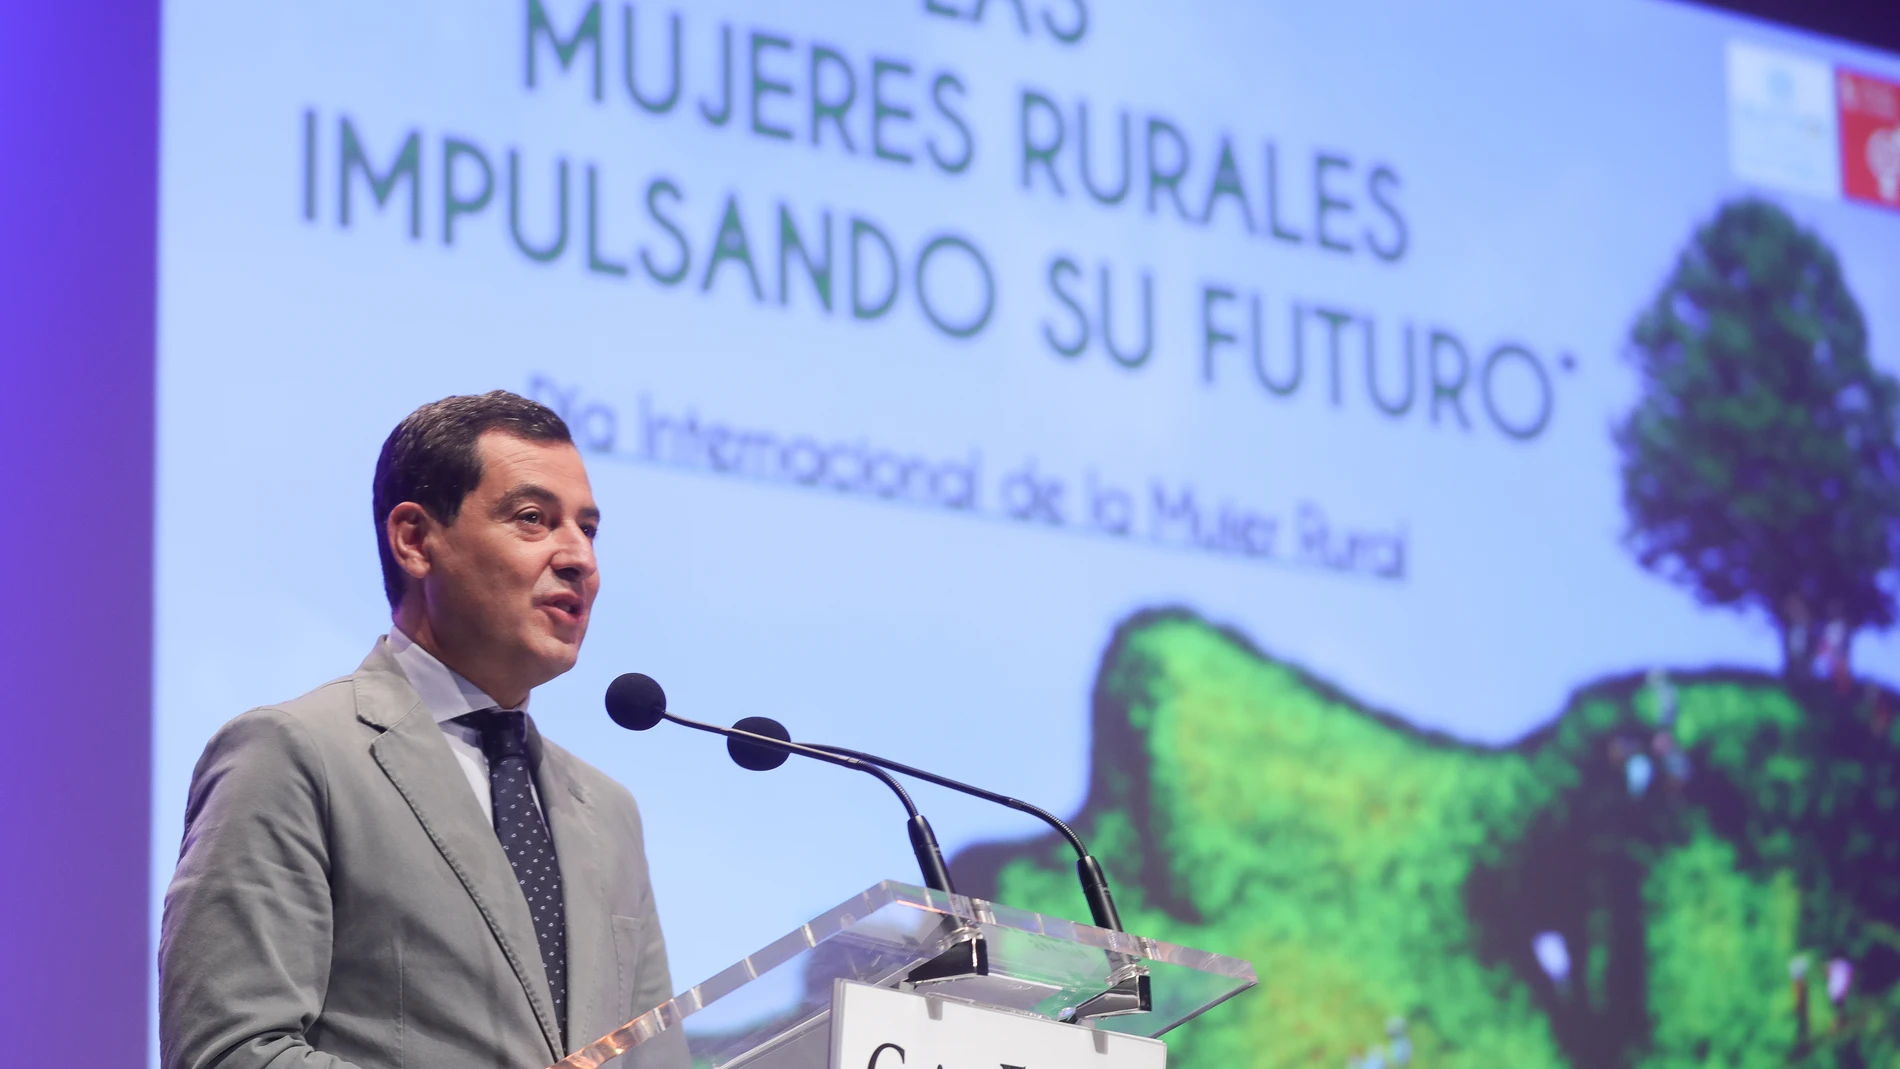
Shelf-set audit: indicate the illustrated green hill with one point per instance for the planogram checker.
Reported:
(1371, 871)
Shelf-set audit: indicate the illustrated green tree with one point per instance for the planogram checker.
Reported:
(1759, 465)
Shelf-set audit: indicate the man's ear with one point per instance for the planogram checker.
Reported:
(408, 530)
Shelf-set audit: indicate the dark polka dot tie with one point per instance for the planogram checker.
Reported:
(524, 837)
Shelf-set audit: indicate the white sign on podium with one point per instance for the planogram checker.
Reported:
(878, 1028)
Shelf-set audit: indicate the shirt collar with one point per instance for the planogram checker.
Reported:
(443, 689)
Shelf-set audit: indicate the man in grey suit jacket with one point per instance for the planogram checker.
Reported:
(397, 869)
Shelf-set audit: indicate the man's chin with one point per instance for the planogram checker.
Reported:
(555, 655)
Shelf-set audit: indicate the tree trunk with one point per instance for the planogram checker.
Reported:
(1797, 650)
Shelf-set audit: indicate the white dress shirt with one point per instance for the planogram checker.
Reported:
(448, 696)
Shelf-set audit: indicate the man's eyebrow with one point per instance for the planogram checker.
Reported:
(535, 492)
(524, 492)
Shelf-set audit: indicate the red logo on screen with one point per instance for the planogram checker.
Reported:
(1870, 138)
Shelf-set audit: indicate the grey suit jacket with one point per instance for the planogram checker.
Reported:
(341, 899)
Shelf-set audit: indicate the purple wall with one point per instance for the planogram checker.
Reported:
(78, 236)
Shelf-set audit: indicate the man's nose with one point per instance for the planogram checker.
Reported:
(574, 557)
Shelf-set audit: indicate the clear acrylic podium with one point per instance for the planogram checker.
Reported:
(772, 1010)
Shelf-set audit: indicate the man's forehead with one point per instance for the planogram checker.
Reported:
(511, 464)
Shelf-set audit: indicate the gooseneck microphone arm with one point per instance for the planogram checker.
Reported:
(1088, 870)
(1017, 804)
(637, 703)
(1130, 988)
(923, 841)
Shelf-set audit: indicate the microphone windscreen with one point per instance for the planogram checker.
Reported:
(636, 702)
(752, 755)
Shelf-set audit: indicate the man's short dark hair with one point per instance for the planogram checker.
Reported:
(431, 459)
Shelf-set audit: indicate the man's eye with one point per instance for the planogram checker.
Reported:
(589, 530)
(530, 516)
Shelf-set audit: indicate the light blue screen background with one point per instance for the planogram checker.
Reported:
(1551, 159)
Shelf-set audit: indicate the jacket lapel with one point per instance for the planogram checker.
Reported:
(413, 754)
(577, 848)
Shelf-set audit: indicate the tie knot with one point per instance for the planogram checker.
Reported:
(504, 732)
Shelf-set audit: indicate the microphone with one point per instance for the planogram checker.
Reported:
(1088, 870)
(636, 702)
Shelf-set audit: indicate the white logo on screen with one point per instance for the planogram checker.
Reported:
(1782, 120)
